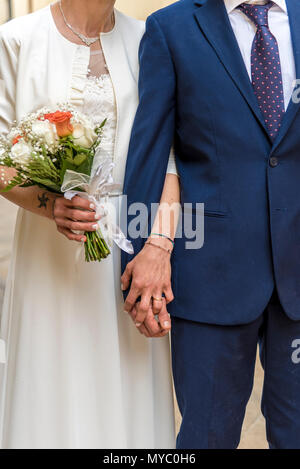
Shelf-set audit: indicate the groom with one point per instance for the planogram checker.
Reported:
(217, 79)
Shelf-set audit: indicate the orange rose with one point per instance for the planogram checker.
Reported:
(64, 128)
(17, 139)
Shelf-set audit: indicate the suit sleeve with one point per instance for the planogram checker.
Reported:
(8, 77)
(153, 129)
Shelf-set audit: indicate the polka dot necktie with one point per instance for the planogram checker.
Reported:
(266, 68)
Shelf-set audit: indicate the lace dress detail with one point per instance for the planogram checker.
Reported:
(99, 104)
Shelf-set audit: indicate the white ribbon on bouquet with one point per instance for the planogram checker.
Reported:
(95, 189)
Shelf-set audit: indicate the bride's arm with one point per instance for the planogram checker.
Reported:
(165, 224)
(32, 198)
(152, 264)
(68, 216)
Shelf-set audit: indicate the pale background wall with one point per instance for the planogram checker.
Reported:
(138, 8)
(254, 427)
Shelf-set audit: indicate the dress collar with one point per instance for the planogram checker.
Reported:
(233, 4)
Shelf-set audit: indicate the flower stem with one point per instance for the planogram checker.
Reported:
(96, 248)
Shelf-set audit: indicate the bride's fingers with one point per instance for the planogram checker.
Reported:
(61, 204)
(169, 294)
(126, 277)
(131, 299)
(84, 204)
(76, 226)
(70, 235)
(133, 313)
(157, 302)
(81, 215)
(143, 308)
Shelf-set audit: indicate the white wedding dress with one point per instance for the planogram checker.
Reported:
(78, 374)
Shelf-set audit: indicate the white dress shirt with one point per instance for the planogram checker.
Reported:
(245, 31)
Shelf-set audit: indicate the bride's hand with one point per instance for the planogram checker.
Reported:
(150, 276)
(77, 214)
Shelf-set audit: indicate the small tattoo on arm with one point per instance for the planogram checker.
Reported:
(43, 199)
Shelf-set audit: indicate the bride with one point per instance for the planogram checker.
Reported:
(76, 374)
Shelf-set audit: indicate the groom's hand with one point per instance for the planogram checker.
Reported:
(153, 327)
(150, 276)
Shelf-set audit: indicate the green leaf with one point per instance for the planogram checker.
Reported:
(86, 166)
(16, 181)
(79, 159)
(47, 183)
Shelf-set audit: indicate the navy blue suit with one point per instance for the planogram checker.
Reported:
(195, 91)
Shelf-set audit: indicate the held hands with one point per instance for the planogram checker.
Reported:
(153, 327)
(150, 276)
(74, 215)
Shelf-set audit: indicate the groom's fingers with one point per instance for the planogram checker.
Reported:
(143, 330)
(161, 334)
(152, 325)
(150, 328)
(164, 318)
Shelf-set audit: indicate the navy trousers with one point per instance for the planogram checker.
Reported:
(213, 374)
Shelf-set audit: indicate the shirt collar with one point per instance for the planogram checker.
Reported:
(233, 4)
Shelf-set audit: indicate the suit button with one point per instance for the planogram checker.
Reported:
(274, 162)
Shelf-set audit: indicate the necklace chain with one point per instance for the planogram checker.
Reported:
(87, 40)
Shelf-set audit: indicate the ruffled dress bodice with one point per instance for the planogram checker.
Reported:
(99, 104)
(92, 92)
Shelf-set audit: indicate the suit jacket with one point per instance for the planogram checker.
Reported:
(195, 90)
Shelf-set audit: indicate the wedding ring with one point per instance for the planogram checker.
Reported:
(157, 299)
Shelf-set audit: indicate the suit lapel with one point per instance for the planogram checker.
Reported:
(214, 22)
(294, 15)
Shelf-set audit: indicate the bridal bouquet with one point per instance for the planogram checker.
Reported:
(47, 149)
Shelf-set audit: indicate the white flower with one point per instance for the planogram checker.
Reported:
(2, 150)
(84, 134)
(21, 153)
(45, 131)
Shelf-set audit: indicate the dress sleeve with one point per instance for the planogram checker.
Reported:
(172, 167)
(153, 131)
(9, 52)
